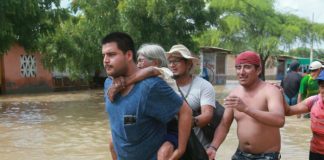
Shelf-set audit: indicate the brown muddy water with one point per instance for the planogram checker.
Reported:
(74, 126)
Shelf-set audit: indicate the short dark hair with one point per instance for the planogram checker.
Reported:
(294, 66)
(320, 82)
(123, 40)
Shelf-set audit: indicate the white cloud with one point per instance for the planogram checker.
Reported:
(303, 8)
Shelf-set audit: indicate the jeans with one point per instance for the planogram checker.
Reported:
(291, 101)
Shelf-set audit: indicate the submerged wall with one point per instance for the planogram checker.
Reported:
(24, 73)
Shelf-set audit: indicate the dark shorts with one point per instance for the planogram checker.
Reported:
(315, 156)
(172, 138)
(239, 155)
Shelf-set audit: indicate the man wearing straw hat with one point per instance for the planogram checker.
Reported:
(198, 92)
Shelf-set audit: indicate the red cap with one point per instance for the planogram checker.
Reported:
(248, 57)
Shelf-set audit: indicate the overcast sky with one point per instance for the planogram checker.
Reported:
(303, 8)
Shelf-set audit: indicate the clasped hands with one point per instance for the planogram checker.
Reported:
(117, 86)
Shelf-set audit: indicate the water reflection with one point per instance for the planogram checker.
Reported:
(73, 126)
(53, 126)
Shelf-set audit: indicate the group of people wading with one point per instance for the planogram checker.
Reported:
(151, 96)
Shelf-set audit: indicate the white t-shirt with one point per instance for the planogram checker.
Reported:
(201, 93)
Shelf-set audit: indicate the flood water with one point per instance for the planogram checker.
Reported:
(74, 126)
(54, 126)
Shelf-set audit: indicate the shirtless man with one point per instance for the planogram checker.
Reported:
(258, 110)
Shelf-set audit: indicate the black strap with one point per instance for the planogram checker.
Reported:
(188, 90)
(185, 97)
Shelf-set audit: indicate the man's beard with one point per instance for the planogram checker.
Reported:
(117, 72)
(175, 76)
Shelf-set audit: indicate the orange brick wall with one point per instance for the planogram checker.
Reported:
(14, 82)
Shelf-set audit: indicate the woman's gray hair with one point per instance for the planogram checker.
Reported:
(153, 52)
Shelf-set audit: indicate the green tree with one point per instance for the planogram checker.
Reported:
(164, 21)
(76, 44)
(23, 21)
(309, 34)
(304, 52)
(254, 25)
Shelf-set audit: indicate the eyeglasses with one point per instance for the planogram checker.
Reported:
(176, 61)
(313, 70)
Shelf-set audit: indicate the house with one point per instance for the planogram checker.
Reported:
(213, 64)
(21, 72)
(219, 65)
(284, 61)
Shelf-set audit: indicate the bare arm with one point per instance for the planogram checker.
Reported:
(184, 125)
(221, 132)
(141, 75)
(299, 99)
(207, 101)
(120, 83)
(275, 116)
(205, 117)
(296, 109)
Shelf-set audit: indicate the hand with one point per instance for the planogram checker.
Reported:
(211, 153)
(235, 103)
(176, 155)
(117, 86)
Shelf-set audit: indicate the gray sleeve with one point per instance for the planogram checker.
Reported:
(208, 94)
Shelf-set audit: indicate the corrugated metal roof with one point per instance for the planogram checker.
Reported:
(214, 50)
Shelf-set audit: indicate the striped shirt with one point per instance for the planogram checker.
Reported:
(316, 107)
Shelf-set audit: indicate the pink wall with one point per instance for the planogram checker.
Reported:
(14, 82)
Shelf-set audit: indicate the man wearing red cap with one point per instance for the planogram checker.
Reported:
(258, 109)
